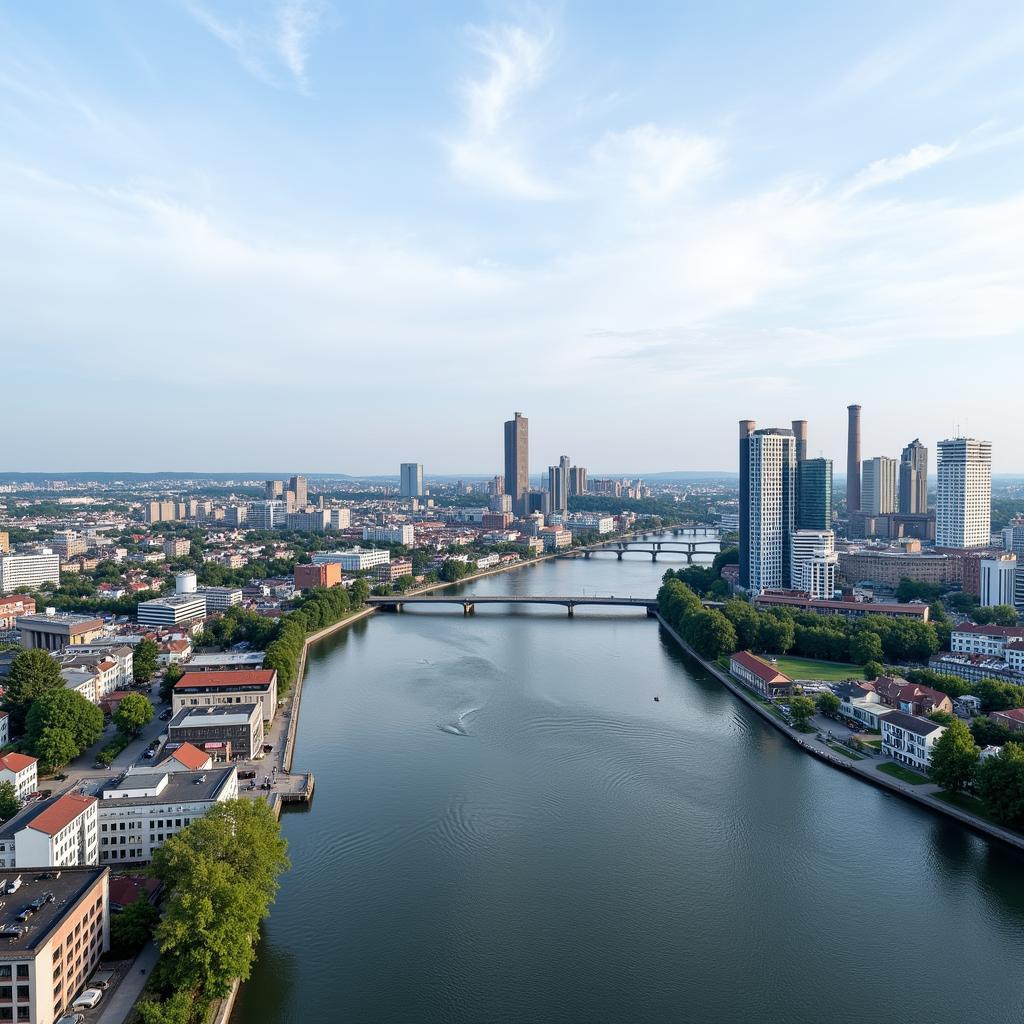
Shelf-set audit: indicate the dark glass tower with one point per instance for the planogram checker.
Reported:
(814, 491)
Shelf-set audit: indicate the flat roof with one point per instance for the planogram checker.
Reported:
(181, 788)
(18, 937)
(69, 619)
(218, 714)
(241, 658)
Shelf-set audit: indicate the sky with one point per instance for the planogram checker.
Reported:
(336, 236)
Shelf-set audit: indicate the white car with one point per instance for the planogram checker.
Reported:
(88, 999)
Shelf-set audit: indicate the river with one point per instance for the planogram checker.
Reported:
(508, 828)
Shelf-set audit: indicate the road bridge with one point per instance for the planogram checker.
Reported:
(687, 548)
(469, 601)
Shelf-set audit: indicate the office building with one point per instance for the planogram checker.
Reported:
(266, 515)
(411, 480)
(558, 485)
(800, 436)
(517, 462)
(878, 490)
(139, 812)
(814, 494)
(322, 574)
(768, 498)
(390, 534)
(53, 631)
(235, 686)
(354, 559)
(998, 579)
(223, 731)
(913, 499)
(172, 610)
(500, 503)
(28, 572)
(60, 832)
(341, 518)
(310, 520)
(963, 508)
(274, 489)
(853, 459)
(297, 485)
(46, 961)
(577, 481)
(220, 599)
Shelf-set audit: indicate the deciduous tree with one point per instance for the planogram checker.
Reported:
(32, 674)
(954, 758)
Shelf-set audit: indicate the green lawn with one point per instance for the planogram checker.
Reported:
(840, 749)
(808, 668)
(968, 803)
(898, 771)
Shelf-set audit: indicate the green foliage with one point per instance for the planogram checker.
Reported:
(988, 732)
(710, 633)
(865, 646)
(961, 602)
(113, 748)
(998, 695)
(873, 669)
(180, 1008)
(452, 570)
(9, 802)
(801, 709)
(144, 662)
(745, 621)
(132, 713)
(828, 704)
(776, 634)
(954, 758)
(727, 556)
(171, 676)
(942, 717)
(953, 685)
(997, 615)
(133, 927)
(918, 590)
(32, 674)
(61, 721)
(1000, 785)
(221, 872)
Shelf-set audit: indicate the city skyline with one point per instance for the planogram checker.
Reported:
(609, 221)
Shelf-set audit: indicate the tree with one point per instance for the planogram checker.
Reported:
(873, 669)
(801, 709)
(9, 802)
(954, 758)
(145, 661)
(171, 676)
(67, 711)
(745, 620)
(56, 747)
(776, 634)
(132, 713)
(865, 646)
(940, 716)
(989, 732)
(828, 704)
(32, 674)
(180, 1008)
(997, 615)
(131, 929)
(1000, 785)
(711, 633)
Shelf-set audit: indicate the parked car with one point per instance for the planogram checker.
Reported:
(247, 774)
(149, 754)
(88, 999)
(101, 979)
(72, 1018)
(166, 715)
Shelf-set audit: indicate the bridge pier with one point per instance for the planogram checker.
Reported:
(619, 555)
(468, 608)
(654, 556)
(652, 613)
(572, 611)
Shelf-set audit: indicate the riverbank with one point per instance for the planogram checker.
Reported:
(868, 770)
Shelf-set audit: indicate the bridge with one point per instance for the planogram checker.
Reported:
(689, 548)
(469, 602)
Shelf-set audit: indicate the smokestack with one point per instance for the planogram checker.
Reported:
(800, 433)
(853, 461)
(747, 427)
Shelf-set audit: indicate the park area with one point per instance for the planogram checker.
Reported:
(808, 668)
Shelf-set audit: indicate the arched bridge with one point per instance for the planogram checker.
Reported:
(688, 548)
(469, 601)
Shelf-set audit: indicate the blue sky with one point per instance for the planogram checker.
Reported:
(337, 236)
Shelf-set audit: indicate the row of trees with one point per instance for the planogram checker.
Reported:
(221, 875)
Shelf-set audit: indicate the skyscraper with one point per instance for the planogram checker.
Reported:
(878, 486)
(411, 485)
(800, 433)
(914, 479)
(767, 518)
(814, 494)
(274, 489)
(998, 579)
(297, 485)
(853, 459)
(558, 484)
(577, 480)
(746, 432)
(517, 461)
(963, 508)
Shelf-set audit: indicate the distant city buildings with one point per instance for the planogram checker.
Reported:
(879, 487)
(517, 462)
(28, 572)
(354, 559)
(405, 534)
(963, 512)
(913, 485)
(411, 480)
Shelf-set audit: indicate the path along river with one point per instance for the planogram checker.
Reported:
(508, 828)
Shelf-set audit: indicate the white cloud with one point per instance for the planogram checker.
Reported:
(298, 21)
(896, 168)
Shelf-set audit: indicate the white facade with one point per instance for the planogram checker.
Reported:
(355, 559)
(22, 771)
(819, 575)
(998, 580)
(341, 518)
(28, 572)
(990, 640)
(266, 515)
(963, 514)
(121, 654)
(170, 611)
(909, 739)
(60, 833)
(221, 598)
(5, 729)
(879, 490)
(185, 583)
(390, 534)
(808, 545)
(772, 507)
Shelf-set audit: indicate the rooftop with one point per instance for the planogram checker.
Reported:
(1017, 632)
(243, 659)
(17, 937)
(912, 723)
(760, 668)
(40, 620)
(16, 762)
(230, 678)
(48, 816)
(188, 755)
(180, 787)
(219, 714)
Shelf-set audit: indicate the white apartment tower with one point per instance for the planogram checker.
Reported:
(812, 562)
(963, 512)
(998, 579)
(770, 507)
(879, 491)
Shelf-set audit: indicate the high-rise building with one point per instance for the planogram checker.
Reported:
(768, 516)
(963, 512)
(297, 485)
(805, 545)
(853, 459)
(558, 484)
(411, 484)
(266, 515)
(28, 572)
(746, 432)
(998, 579)
(274, 489)
(878, 489)
(814, 494)
(5, 542)
(914, 479)
(517, 462)
(800, 433)
(496, 486)
(577, 480)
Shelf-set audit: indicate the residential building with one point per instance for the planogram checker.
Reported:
(12, 606)
(999, 579)
(963, 513)
(354, 559)
(555, 538)
(819, 575)
(298, 486)
(577, 480)
(913, 490)
(226, 661)
(517, 462)
(849, 609)
(319, 574)
(161, 511)
(767, 506)
(274, 489)
(411, 480)
(341, 518)
(21, 771)
(5, 542)
(67, 544)
(53, 631)
(28, 572)
(389, 572)
(139, 812)
(806, 545)
(112, 649)
(759, 676)
(912, 698)
(910, 739)
(220, 599)
(172, 610)
(309, 520)
(236, 515)
(814, 494)
(184, 757)
(60, 832)
(862, 705)
(1012, 719)
(390, 534)
(975, 667)
(46, 961)
(878, 490)
(227, 731)
(969, 638)
(558, 485)
(233, 687)
(106, 673)
(177, 547)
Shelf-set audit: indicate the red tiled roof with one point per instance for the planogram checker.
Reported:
(61, 813)
(239, 677)
(760, 668)
(17, 762)
(190, 756)
(1016, 714)
(125, 890)
(1005, 631)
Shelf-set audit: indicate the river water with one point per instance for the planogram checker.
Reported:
(508, 828)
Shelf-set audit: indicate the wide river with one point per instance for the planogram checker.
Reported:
(508, 828)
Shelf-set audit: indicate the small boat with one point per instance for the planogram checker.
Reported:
(656, 699)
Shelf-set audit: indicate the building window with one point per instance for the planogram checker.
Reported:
(22, 970)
